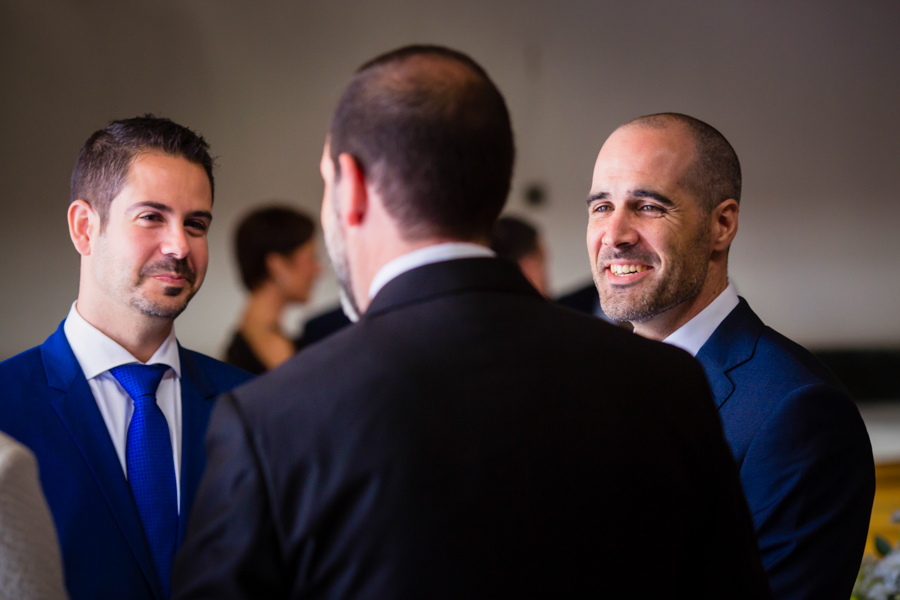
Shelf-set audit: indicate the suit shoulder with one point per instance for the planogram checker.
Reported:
(22, 372)
(784, 381)
(224, 376)
(795, 365)
(24, 360)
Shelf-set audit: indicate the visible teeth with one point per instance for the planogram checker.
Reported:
(623, 270)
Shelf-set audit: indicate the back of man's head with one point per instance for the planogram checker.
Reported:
(103, 163)
(430, 129)
(715, 174)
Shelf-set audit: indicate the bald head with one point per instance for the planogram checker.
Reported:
(715, 172)
(429, 128)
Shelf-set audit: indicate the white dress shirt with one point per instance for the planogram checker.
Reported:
(425, 256)
(692, 335)
(97, 354)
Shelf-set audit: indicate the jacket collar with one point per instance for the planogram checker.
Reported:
(732, 344)
(450, 277)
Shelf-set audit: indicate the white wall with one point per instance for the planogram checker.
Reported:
(807, 92)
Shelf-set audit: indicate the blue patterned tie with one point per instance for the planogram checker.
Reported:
(151, 468)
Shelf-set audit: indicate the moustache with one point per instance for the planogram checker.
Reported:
(179, 267)
(630, 254)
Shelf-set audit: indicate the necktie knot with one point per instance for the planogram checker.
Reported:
(139, 381)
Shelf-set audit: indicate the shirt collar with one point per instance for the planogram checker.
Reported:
(692, 335)
(425, 256)
(97, 353)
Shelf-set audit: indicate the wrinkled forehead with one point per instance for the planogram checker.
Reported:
(638, 155)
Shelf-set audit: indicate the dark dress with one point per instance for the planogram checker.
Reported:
(240, 354)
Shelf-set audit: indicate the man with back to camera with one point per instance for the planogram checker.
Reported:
(663, 211)
(454, 443)
(112, 406)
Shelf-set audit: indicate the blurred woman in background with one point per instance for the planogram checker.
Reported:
(276, 255)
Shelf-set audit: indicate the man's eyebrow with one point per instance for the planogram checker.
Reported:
(203, 214)
(597, 196)
(151, 204)
(662, 199)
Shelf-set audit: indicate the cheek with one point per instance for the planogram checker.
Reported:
(200, 254)
(666, 244)
(593, 238)
(137, 250)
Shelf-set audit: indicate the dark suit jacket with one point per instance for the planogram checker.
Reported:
(466, 439)
(321, 326)
(803, 452)
(584, 299)
(47, 405)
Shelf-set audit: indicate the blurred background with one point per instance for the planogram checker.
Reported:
(808, 92)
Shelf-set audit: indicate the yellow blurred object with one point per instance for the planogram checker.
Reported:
(887, 502)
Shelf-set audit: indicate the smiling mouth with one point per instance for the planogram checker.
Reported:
(626, 270)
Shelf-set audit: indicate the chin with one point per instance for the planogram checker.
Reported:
(166, 308)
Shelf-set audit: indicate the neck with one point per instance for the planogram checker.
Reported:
(264, 307)
(372, 258)
(668, 322)
(140, 334)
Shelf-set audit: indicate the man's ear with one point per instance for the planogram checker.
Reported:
(724, 224)
(84, 226)
(355, 196)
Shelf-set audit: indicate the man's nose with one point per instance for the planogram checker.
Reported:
(620, 230)
(175, 242)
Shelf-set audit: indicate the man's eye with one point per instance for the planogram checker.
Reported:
(652, 208)
(151, 217)
(198, 225)
(601, 208)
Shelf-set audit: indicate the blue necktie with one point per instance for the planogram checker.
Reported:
(151, 468)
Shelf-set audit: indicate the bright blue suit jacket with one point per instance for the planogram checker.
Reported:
(46, 403)
(803, 452)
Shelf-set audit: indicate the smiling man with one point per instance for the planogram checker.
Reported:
(663, 212)
(112, 406)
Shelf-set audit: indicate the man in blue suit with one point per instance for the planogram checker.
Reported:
(112, 406)
(663, 211)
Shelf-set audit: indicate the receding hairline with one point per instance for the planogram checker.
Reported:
(661, 122)
(704, 138)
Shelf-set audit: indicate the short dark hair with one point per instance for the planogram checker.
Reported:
(432, 131)
(513, 239)
(278, 229)
(715, 175)
(105, 159)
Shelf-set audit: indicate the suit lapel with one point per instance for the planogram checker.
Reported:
(78, 411)
(197, 395)
(719, 383)
(731, 344)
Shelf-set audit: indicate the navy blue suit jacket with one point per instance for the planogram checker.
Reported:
(803, 453)
(47, 405)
